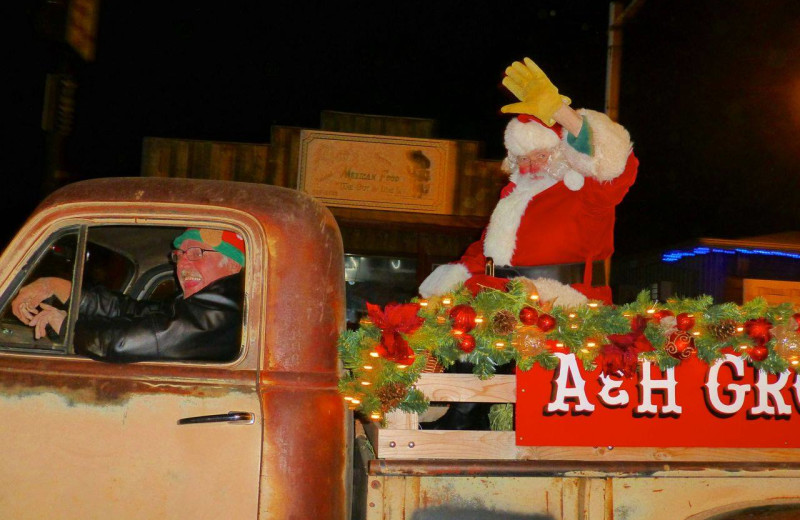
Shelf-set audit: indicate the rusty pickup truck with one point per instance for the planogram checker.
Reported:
(263, 436)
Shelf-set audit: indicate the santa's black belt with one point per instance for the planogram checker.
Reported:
(564, 273)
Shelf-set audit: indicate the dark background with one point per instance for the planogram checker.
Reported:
(710, 90)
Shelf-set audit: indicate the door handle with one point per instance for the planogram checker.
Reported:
(235, 417)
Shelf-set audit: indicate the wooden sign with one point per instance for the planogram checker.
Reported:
(727, 404)
(378, 172)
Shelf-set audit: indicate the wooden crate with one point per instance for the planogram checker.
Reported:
(401, 437)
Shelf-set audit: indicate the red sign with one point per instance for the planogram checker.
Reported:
(727, 404)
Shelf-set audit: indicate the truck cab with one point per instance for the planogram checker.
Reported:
(264, 435)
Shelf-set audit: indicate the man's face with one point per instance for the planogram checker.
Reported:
(194, 275)
(533, 162)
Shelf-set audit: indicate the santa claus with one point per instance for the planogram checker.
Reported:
(568, 170)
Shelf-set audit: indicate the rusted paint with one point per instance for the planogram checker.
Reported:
(80, 381)
(439, 467)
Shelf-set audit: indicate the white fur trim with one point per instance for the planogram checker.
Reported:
(523, 138)
(558, 293)
(443, 279)
(501, 234)
(611, 145)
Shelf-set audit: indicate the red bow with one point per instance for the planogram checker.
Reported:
(393, 321)
(622, 353)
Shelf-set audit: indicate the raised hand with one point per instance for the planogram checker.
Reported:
(536, 93)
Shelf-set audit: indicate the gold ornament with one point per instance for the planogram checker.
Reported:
(530, 341)
(530, 287)
(787, 344)
(503, 322)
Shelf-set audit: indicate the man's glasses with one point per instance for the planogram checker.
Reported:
(192, 254)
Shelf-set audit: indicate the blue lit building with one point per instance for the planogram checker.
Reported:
(727, 269)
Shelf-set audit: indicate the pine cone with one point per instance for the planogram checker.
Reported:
(503, 322)
(722, 330)
(391, 395)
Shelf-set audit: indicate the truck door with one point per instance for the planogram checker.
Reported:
(85, 438)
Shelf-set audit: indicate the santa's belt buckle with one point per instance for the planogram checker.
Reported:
(488, 268)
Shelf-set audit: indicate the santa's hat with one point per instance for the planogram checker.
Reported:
(526, 133)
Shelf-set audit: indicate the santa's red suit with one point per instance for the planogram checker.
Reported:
(562, 217)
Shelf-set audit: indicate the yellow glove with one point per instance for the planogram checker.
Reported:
(537, 95)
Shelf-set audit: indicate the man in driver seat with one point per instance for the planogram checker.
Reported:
(203, 323)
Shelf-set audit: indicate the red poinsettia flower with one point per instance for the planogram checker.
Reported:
(394, 320)
(622, 351)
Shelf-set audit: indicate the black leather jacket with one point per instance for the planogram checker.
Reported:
(204, 327)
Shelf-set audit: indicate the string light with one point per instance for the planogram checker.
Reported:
(375, 416)
(447, 301)
(739, 329)
(593, 305)
(478, 319)
(500, 345)
(367, 367)
(534, 297)
(423, 303)
(365, 383)
(374, 354)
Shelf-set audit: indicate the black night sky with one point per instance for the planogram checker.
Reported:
(710, 90)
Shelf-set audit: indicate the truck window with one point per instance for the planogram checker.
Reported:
(55, 259)
(131, 304)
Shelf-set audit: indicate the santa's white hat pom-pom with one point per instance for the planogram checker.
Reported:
(573, 180)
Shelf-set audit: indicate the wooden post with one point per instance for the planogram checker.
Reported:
(614, 61)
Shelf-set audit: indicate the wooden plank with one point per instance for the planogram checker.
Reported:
(489, 445)
(468, 388)
(398, 420)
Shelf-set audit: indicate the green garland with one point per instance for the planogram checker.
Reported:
(375, 385)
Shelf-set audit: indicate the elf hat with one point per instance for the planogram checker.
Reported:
(526, 133)
(228, 243)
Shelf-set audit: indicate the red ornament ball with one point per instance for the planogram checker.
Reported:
(758, 329)
(685, 321)
(660, 315)
(680, 345)
(758, 353)
(466, 343)
(463, 317)
(546, 323)
(528, 316)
